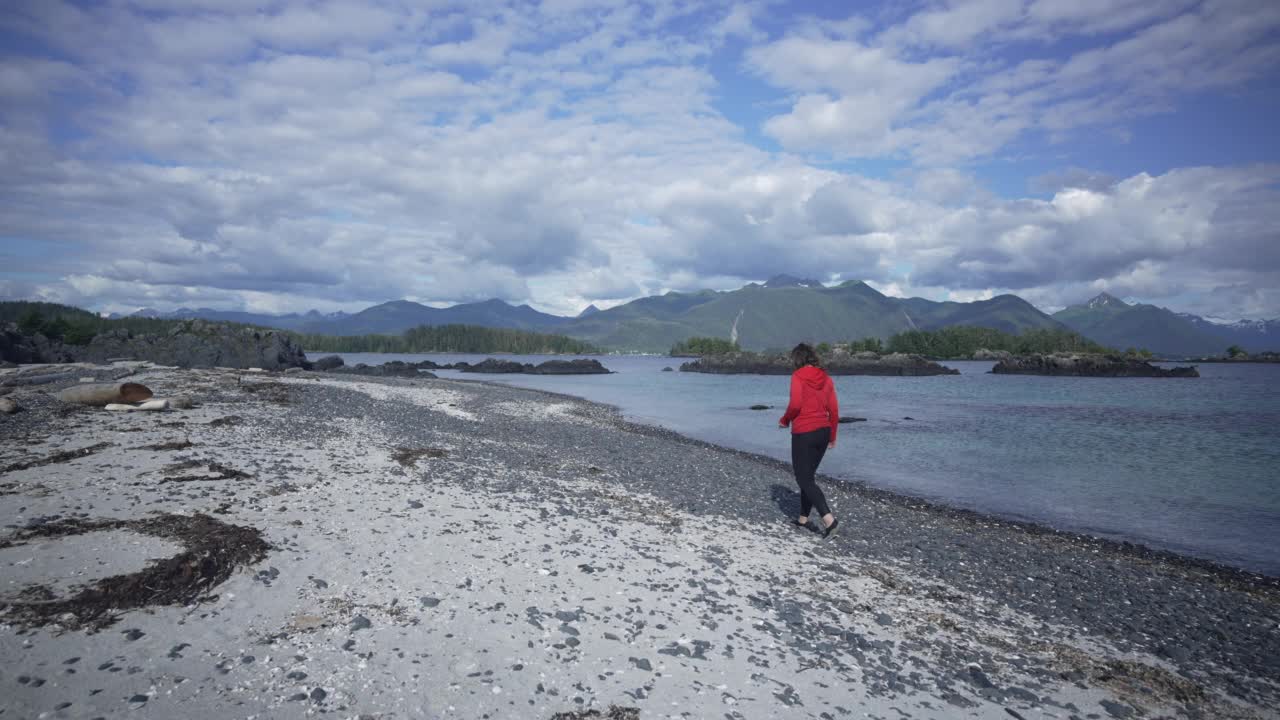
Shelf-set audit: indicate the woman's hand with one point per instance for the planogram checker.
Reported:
(831, 445)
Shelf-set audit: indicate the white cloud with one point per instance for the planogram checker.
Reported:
(331, 155)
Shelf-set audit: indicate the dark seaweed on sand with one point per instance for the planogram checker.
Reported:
(212, 551)
(58, 457)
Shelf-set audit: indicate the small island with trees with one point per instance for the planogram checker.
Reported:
(1057, 352)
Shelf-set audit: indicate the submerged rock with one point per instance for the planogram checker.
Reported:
(1088, 365)
(750, 363)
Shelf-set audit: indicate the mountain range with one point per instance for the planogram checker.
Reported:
(782, 311)
(1108, 320)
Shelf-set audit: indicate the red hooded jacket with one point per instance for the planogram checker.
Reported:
(813, 404)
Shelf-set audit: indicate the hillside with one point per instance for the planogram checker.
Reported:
(1111, 321)
(400, 315)
(785, 310)
(1255, 336)
(775, 314)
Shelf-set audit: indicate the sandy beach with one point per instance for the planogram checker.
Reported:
(301, 544)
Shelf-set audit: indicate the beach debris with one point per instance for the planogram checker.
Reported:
(407, 457)
(215, 471)
(171, 445)
(151, 405)
(58, 457)
(228, 421)
(8, 406)
(39, 378)
(849, 419)
(759, 407)
(212, 551)
(613, 712)
(182, 402)
(102, 394)
(269, 391)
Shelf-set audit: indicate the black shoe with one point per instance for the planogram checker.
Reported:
(803, 525)
(831, 529)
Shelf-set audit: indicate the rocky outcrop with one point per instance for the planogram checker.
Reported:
(198, 343)
(16, 347)
(493, 365)
(329, 362)
(550, 367)
(1088, 365)
(749, 363)
(580, 366)
(985, 354)
(394, 368)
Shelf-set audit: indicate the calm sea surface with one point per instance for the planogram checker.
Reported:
(1191, 466)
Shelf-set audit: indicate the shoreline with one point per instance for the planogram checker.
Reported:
(1130, 548)
(626, 565)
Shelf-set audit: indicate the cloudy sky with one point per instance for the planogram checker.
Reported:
(281, 156)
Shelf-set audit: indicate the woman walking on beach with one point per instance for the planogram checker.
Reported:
(813, 414)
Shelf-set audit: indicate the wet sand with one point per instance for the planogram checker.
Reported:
(436, 548)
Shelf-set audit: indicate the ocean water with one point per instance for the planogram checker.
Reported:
(1191, 466)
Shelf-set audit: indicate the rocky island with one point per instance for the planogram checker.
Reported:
(1087, 365)
(492, 366)
(835, 363)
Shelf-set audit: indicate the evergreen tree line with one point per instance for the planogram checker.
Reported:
(704, 346)
(72, 325)
(962, 341)
(449, 338)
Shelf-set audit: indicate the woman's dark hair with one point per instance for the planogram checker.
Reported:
(802, 355)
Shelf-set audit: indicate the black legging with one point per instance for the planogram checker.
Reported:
(807, 450)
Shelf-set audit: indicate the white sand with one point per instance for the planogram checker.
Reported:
(461, 603)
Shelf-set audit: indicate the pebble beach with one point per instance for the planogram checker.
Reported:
(302, 544)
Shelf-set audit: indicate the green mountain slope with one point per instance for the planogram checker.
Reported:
(399, 315)
(785, 311)
(1006, 313)
(1113, 322)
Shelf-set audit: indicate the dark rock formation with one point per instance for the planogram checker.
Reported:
(329, 362)
(749, 363)
(16, 347)
(494, 365)
(1087, 365)
(580, 366)
(198, 343)
(394, 368)
(550, 367)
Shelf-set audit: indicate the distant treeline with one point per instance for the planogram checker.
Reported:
(962, 341)
(703, 346)
(449, 338)
(72, 325)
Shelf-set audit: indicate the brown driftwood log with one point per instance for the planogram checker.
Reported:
(102, 394)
